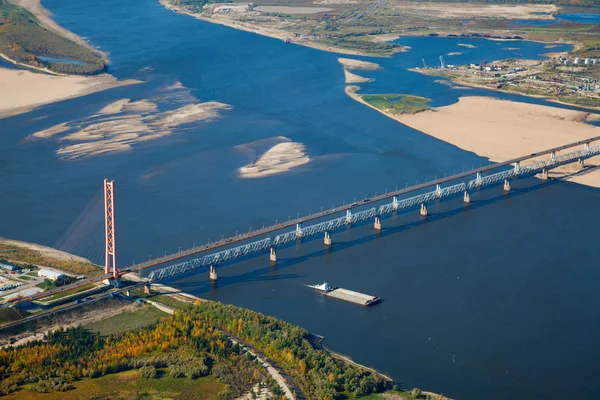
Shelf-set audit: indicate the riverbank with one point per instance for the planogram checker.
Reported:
(501, 130)
(273, 30)
(22, 91)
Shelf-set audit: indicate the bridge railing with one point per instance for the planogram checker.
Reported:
(518, 171)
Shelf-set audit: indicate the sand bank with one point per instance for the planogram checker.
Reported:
(22, 91)
(280, 158)
(501, 130)
(45, 251)
(353, 78)
(468, 46)
(469, 10)
(121, 124)
(352, 64)
(455, 53)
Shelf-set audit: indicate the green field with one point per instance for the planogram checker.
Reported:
(397, 103)
(126, 321)
(128, 385)
(70, 292)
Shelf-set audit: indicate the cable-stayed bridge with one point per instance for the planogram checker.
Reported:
(325, 222)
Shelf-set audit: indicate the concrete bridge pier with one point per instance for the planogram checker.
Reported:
(327, 239)
(127, 293)
(147, 289)
(377, 224)
(544, 174)
(424, 212)
(506, 185)
(580, 163)
(467, 197)
(272, 254)
(213, 273)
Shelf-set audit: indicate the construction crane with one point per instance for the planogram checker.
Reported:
(442, 63)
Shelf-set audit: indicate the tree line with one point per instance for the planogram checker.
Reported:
(24, 40)
(191, 344)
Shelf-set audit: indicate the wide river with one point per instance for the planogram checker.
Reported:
(496, 301)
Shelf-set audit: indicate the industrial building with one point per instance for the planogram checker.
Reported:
(8, 267)
(49, 274)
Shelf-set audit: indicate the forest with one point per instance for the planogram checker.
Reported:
(22, 39)
(192, 343)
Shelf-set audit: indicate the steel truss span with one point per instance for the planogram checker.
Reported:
(517, 171)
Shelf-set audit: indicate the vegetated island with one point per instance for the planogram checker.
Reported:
(24, 40)
(29, 38)
(390, 104)
(203, 350)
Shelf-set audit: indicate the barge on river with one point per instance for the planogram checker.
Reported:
(345, 294)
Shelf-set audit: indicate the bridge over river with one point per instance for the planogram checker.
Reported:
(325, 222)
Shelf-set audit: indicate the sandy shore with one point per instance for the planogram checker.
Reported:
(280, 158)
(501, 130)
(22, 91)
(45, 251)
(352, 64)
(353, 78)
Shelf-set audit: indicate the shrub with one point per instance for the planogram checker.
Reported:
(148, 371)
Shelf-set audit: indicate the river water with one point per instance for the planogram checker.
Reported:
(496, 301)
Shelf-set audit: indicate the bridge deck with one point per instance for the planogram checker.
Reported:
(515, 173)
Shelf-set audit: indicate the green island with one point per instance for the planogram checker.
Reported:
(396, 104)
(24, 40)
(199, 352)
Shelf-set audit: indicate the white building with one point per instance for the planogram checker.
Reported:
(49, 274)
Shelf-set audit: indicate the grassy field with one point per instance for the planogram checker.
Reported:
(126, 321)
(128, 385)
(165, 299)
(11, 314)
(397, 103)
(70, 292)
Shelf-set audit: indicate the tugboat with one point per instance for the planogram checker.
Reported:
(324, 287)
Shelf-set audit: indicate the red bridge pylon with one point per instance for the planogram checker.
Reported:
(109, 223)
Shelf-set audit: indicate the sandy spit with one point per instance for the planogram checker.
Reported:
(23, 91)
(501, 130)
(353, 78)
(350, 63)
(280, 158)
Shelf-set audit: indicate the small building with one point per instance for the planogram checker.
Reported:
(49, 274)
(8, 267)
